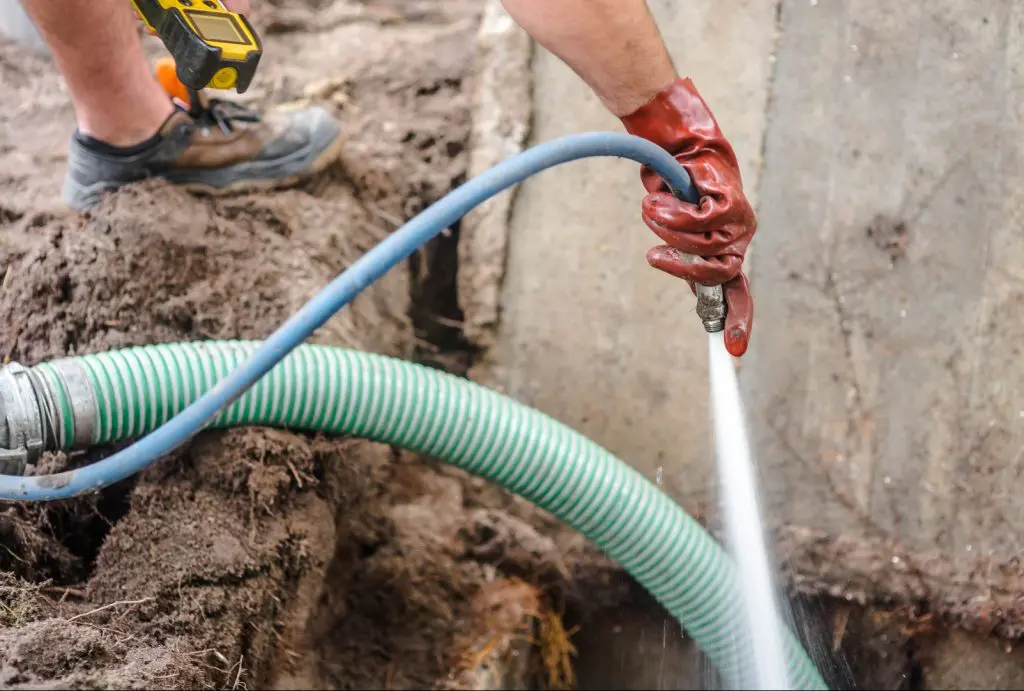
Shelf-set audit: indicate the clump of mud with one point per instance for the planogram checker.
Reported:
(260, 557)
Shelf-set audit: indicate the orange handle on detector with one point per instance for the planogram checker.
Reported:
(167, 75)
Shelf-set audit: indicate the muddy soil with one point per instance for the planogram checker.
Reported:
(255, 557)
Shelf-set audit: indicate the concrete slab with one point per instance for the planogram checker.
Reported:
(883, 382)
(589, 333)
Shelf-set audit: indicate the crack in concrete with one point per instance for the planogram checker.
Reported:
(859, 416)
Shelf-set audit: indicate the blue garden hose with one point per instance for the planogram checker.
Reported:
(340, 292)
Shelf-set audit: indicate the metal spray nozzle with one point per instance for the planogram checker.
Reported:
(711, 307)
(710, 299)
(710, 303)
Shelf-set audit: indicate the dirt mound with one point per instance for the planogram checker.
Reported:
(256, 556)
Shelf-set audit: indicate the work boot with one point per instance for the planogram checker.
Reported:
(215, 147)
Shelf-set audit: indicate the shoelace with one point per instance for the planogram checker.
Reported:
(220, 113)
(224, 114)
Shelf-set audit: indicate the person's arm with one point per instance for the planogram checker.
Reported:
(616, 48)
(613, 45)
(240, 6)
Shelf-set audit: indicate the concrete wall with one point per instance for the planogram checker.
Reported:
(885, 383)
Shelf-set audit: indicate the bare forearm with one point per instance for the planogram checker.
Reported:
(613, 45)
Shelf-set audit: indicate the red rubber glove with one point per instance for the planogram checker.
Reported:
(721, 226)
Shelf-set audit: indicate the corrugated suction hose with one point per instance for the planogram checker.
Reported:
(120, 395)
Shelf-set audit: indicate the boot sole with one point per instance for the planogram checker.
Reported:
(319, 165)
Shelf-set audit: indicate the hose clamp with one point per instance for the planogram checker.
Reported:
(22, 435)
(74, 377)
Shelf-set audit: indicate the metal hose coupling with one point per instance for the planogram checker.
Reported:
(30, 420)
(711, 307)
(24, 434)
(710, 301)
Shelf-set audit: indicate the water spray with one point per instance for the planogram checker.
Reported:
(744, 524)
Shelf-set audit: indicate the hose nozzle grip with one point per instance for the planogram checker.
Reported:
(710, 299)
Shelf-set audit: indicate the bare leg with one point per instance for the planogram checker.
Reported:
(130, 130)
(96, 46)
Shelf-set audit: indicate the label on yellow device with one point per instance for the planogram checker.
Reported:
(211, 46)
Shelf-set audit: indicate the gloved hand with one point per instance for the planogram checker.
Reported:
(721, 226)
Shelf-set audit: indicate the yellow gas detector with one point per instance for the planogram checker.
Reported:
(212, 47)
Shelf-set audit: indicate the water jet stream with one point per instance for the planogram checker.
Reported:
(745, 533)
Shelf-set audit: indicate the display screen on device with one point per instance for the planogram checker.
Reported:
(216, 28)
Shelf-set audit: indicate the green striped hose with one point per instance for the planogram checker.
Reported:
(119, 395)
